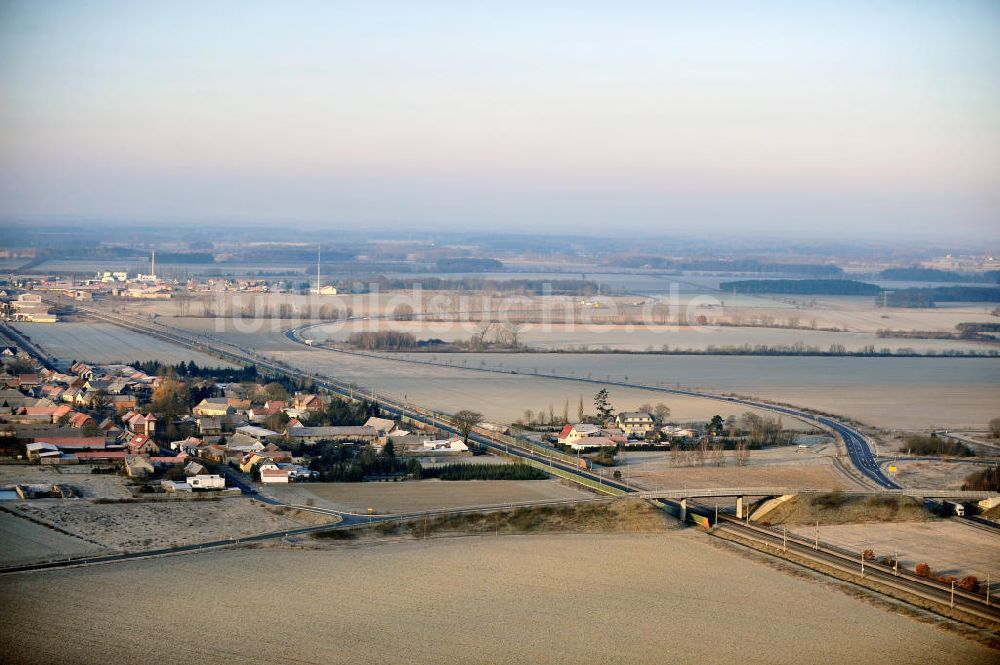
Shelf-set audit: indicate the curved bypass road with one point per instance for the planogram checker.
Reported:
(858, 446)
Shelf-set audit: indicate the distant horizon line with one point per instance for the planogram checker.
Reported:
(914, 237)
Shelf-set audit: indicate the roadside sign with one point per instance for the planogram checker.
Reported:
(892, 469)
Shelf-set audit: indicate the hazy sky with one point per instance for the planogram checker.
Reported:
(617, 116)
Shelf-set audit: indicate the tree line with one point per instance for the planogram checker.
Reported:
(928, 297)
(727, 265)
(484, 472)
(826, 287)
(918, 274)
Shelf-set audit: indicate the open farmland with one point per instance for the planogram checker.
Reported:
(887, 392)
(107, 343)
(149, 525)
(659, 601)
(419, 495)
(743, 319)
(584, 337)
(23, 541)
(788, 466)
(264, 335)
(944, 473)
(500, 397)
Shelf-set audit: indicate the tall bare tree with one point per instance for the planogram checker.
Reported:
(465, 420)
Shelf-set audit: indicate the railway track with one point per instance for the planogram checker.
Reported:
(854, 564)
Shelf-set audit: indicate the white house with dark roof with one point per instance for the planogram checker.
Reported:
(635, 424)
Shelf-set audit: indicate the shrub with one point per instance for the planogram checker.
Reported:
(947, 579)
(922, 570)
(517, 471)
(336, 534)
(969, 583)
(869, 555)
(876, 501)
(933, 445)
(831, 500)
(987, 480)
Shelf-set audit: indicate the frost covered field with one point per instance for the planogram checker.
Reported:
(106, 343)
(906, 393)
(507, 599)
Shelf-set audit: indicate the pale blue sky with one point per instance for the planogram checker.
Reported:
(625, 116)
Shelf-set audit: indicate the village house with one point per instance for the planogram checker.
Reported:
(572, 433)
(298, 472)
(186, 445)
(244, 444)
(209, 425)
(100, 456)
(593, 443)
(272, 473)
(677, 432)
(139, 423)
(72, 444)
(123, 403)
(52, 391)
(351, 434)
(258, 414)
(239, 404)
(252, 461)
(166, 460)
(421, 446)
(82, 370)
(79, 420)
(142, 445)
(36, 414)
(635, 424)
(213, 406)
(39, 449)
(307, 402)
(28, 382)
(256, 433)
(109, 428)
(382, 425)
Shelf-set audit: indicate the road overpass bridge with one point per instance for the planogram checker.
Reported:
(742, 494)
